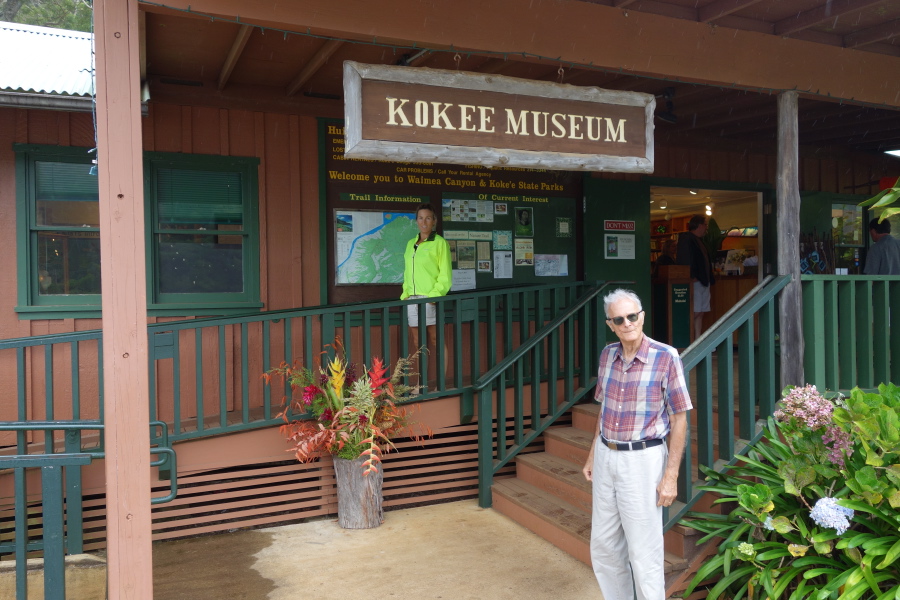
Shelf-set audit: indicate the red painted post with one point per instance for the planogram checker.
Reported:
(116, 39)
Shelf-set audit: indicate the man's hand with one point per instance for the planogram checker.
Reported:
(588, 469)
(667, 490)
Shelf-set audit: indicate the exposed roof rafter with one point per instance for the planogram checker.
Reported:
(722, 8)
(879, 33)
(820, 14)
(237, 48)
(314, 64)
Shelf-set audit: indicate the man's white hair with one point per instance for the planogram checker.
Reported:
(620, 294)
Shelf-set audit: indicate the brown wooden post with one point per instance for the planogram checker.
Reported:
(119, 152)
(788, 213)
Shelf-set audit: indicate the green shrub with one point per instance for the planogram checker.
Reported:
(817, 503)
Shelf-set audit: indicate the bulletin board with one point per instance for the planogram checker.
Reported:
(509, 239)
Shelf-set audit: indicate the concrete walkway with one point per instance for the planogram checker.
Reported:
(453, 551)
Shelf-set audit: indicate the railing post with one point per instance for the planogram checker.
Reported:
(814, 332)
(485, 446)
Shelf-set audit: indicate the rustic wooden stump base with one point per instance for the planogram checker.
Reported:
(359, 496)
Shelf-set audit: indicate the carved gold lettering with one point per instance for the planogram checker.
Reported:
(513, 126)
(559, 126)
(440, 114)
(395, 111)
(465, 117)
(575, 128)
(594, 135)
(616, 132)
(538, 119)
(421, 113)
(485, 119)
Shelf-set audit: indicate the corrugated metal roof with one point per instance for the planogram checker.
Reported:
(44, 60)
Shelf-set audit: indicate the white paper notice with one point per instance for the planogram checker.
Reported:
(503, 267)
(463, 279)
(618, 246)
(551, 265)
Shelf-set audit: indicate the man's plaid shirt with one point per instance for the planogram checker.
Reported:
(637, 401)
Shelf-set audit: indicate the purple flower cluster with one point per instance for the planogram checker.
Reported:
(806, 405)
(838, 443)
(828, 513)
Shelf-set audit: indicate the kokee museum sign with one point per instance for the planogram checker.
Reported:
(427, 115)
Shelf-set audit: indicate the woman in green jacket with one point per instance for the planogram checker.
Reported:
(426, 273)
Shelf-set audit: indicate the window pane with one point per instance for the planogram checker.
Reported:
(68, 263)
(66, 194)
(200, 264)
(198, 199)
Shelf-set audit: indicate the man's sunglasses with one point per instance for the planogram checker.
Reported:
(633, 317)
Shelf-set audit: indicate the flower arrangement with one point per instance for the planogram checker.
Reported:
(736, 257)
(353, 415)
(817, 502)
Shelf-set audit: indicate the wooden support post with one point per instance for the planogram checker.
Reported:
(788, 214)
(119, 152)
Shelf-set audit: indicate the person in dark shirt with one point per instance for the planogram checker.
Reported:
(884, 255)
(692, 252)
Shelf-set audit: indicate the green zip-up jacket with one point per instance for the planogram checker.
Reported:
(427, 269)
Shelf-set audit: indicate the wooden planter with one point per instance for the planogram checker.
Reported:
(359, 496)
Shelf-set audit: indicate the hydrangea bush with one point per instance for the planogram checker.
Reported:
(817, 501)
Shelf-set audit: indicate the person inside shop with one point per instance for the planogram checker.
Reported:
(884, 255)
(692, 252)
(667, 257)
(427, 273)
(644, 400)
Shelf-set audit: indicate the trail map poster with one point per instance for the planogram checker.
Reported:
(369, 245)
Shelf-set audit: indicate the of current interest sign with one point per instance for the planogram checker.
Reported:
(428, 115)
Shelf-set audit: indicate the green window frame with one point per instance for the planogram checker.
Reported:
(55, 195)
(53, 199)
(214, 200)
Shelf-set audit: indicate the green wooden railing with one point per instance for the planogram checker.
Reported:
(848, 330)
(717, 407)
(557, 367)
(205, 373)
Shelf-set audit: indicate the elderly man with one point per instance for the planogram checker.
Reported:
(640, 383)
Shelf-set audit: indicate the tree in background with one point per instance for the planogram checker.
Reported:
(60, 14)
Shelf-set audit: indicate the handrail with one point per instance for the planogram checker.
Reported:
(529, 357)
(712, 337)
(756, 381)
(542, 334)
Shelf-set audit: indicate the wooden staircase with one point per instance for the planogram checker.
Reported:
(551, 497)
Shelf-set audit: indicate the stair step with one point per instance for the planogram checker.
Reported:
(584, 416)
(560, 477)
(564, 525)
(568, 443)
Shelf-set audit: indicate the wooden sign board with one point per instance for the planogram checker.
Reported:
(427, 115)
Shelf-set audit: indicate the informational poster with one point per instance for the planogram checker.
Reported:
(369, 245)
(465, 254)
(503, 265)
(484, 250)
(618, 246)
(463, 279)
(467, 210)
(524, 253)
(502, 239)
(564, 227)
(484, 266)
(551, 265)
(524, 221)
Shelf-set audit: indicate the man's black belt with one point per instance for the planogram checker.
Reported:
(630, 445)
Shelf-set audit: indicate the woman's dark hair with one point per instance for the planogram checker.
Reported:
(426, 206)
(695, 222)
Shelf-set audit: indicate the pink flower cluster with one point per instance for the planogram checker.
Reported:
(309, 394)
(806, 405)
(840, 444)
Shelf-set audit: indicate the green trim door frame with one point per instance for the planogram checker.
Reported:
(611, 199)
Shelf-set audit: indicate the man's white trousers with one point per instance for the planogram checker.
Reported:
(626, 524)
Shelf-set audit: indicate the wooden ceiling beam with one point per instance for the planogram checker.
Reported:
(494, 66)
(314, 64)
(821, 14)
(622, 3)
(879, 33)
(722, 8)
(237, 48)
